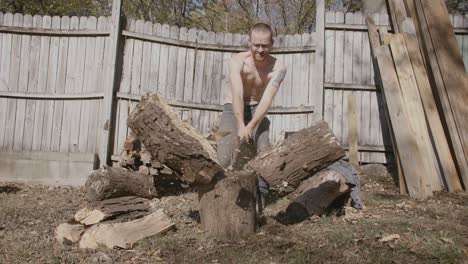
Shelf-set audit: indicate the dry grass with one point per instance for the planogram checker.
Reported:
(433, 231)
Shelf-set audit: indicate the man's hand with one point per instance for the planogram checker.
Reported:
(245, 134)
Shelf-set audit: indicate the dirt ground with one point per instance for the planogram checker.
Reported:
(431, 231)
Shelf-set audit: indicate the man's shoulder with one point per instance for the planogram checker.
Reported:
(279, 65)
(240, 57)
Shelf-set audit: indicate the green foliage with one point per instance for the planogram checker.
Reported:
(235, 16)
(55, 7)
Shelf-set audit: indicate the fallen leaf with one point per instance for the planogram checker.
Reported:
(390, 238)
(447, 240)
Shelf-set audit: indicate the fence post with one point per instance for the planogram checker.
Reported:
(113, 74)
(319, 56)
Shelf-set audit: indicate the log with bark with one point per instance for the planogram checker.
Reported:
(109, 182)
(173, 142)
(298, 157)
(314, 196)
(96, 212)
(227, 206)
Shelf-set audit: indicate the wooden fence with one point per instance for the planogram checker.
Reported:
(68, 84)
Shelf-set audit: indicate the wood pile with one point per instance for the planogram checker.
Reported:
(425, 88)
(163, 149)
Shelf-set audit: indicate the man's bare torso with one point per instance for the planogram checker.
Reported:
(254, 79)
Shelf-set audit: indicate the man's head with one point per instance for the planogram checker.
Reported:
(261, 41)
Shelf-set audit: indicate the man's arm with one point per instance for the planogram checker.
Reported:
(237, 91)
(268, 95)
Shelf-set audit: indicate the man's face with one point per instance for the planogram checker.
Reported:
(260, 44)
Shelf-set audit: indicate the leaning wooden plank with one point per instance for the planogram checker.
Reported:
(408, 149)
(449, 75)
(446, 161)
(375, 39)
(414, 109)
(227, 206)
(173, 142)
(298, 156)
(99, 211)
(124, 235)
(314, 196)
(109, 182)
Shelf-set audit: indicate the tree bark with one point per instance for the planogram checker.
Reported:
(297, 157)
(109, 182)
(314, 196)
(173, 142)
(103, 210)
(227, 206)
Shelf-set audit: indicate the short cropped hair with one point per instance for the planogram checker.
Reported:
(262, 27)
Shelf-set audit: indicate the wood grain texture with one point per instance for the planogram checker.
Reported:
(298, 156)
(408, 149)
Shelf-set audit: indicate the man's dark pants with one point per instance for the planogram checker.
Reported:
(233, 154)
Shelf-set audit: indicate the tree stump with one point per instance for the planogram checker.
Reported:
(227, 206)
(297, 157)
(173, 142)
(109, 182)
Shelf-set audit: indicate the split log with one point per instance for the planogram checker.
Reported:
(227, 206)
(103, 210)
(109, 182)
(124, 235)
(69, 233)
(297, 157)
(314, 196)
(173, 142)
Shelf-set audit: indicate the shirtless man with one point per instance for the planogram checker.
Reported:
(255, 77)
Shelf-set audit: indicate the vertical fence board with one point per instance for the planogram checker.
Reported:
(96, 86)
(216, 80)
(329, 69)
(146, 60)
(347, 74)
(36, 83)
(125, 87)
(163, 62)
(181, 64)
(137, 60)
(89, 70)
(45, 141)
(198, 78)
(338, 78)
(189, 75)
(72, 65)
(37, 119)
(5, 47)
(13, 82)
(23, 85)
(154, 64)
(172, 66)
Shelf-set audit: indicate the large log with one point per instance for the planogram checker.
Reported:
(297, 157)
(124, 235)
(109, 182)
(227, 206)
(314, 196)
(173, 142)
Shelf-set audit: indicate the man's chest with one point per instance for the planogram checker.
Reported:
(256, 78)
